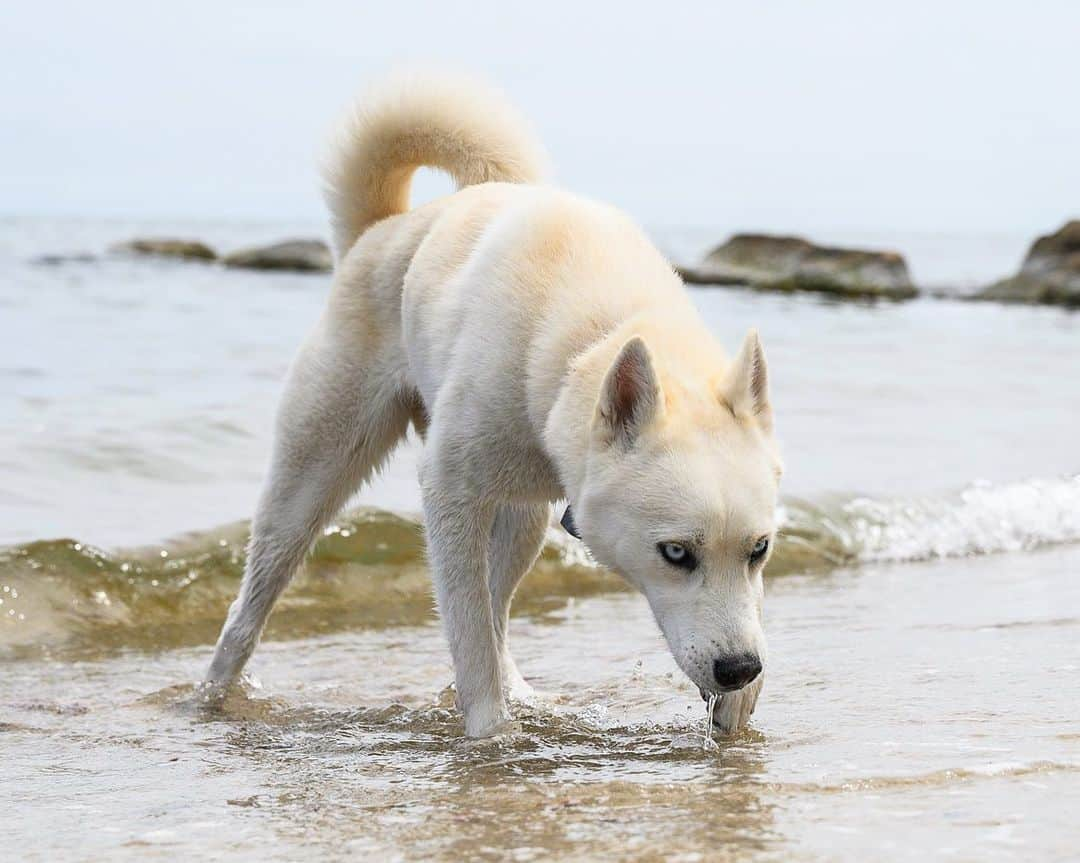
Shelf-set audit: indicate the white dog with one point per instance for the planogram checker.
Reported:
(545, 351)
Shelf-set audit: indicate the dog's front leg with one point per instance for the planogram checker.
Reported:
(458, 534)
(516, 539)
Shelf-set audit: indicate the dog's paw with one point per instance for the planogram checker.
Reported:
(486, 720)
(518, 689)
(499, 737)
(215, 693)
(504, 728)
(734, 708)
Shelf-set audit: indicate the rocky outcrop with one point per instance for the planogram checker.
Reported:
(1050, 272)
(167, 247)
(302, 255)
(773, 263)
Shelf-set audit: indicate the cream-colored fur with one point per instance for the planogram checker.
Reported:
(545, 350)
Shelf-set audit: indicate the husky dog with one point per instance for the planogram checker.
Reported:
(544, 351)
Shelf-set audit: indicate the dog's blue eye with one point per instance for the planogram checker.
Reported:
(677, 554)
(760, 547)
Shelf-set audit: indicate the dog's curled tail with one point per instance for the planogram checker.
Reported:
(455, 124)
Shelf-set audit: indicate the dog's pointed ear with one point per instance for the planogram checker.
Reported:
(630, 397)
(746, 387)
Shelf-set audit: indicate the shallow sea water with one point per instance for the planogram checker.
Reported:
(923, 608)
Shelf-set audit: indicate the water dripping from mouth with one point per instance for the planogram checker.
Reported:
(703, 741)
(707, 741)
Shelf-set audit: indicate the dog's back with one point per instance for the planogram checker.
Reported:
(479, 277)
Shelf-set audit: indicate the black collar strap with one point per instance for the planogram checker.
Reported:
(568, 525)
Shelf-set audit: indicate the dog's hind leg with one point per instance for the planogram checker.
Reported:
(339, 419)
(516, 539)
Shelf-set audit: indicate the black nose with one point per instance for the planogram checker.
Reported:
(734, 672)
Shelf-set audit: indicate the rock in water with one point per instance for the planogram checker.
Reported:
(774, 263)
(58, 259)
(1050, 272)
(304, 255)
(167, 247)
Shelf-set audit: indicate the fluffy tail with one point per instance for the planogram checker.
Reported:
(465, 129)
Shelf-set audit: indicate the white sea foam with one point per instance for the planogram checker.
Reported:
(982, 519)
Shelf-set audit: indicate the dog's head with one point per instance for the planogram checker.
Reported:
(679, 498)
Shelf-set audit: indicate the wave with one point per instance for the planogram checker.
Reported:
(64, 597)
(982, 519)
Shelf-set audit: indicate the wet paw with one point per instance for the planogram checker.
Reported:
(517, 687)
(486, 719)
(499, 728)
(520, 690)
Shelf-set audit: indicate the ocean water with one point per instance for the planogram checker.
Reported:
(923, 606)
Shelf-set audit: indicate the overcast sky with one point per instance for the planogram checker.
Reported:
(958, 116)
